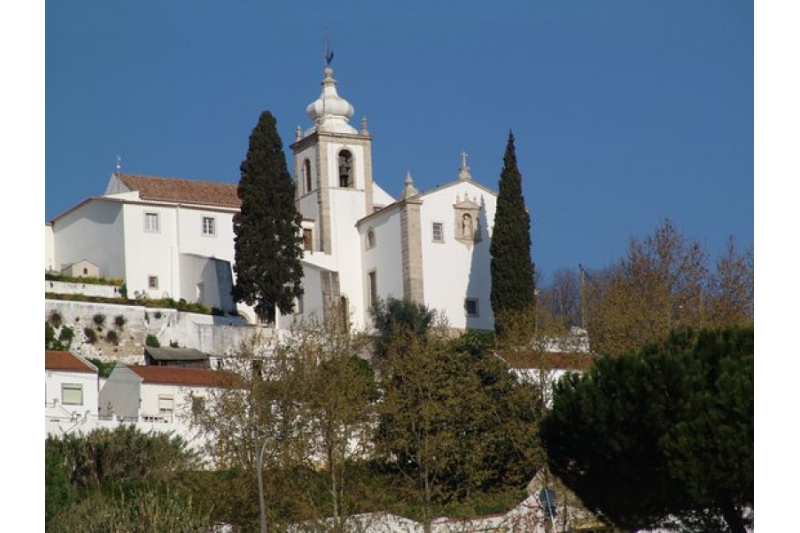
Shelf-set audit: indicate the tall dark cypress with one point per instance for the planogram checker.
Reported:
(268, 242)
(513, 297)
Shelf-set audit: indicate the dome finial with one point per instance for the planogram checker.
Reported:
(331, 112)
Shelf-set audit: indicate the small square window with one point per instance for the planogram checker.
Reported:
(152, 282)
(72, 394)
(471, 306)
(438, 232)
(151, 222)
(370, 239)
(209, 226)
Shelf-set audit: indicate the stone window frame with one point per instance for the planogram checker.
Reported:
(440, 239)
(372, 287)
(351, 182)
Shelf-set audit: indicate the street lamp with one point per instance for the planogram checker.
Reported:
(262, 508)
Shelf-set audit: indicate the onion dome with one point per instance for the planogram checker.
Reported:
(331, 112)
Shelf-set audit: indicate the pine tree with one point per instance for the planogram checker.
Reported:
(513, 297)
(268, 242)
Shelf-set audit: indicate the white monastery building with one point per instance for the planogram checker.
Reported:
(174, 238)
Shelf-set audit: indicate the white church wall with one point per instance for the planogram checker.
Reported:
(92, 231)
(385, 259)
(193, 240)
(453, 270)
(151, 253)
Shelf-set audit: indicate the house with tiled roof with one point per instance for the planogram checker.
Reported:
(160, 394)
(165, 237)
(71, 386)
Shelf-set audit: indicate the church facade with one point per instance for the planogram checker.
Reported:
(175, 237)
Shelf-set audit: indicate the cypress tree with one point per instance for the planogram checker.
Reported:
(512, 295)
(268, 242)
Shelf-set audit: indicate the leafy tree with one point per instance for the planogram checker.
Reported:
(664, 283)
(453, 420)
(512, 294)
(268, 242)
(393, 317)
(666, 430)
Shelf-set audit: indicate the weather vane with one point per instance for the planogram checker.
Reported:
(328, 52)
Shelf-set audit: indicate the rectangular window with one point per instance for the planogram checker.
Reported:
(152, 282)
(166, 405)
(471, 306)
(373, 287)
(151, 222)
(72, 394)
(209, 226)
(308, 241)
(438, 232)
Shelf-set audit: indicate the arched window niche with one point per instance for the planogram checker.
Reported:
(346, 170)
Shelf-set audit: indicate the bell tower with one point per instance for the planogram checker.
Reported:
(333, 169)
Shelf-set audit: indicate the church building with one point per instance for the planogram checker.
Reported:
(168, 237)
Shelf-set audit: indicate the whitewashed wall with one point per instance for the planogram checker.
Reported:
(454, 271)
(54, 404)
(93, 231)
(88, 289)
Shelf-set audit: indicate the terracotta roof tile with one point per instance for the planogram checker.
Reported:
(182, 191)
(67, 361)
(172, 375)
(553, 360)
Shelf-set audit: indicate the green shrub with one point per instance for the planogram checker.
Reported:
(56, 319)
(91, 335)
(66, 336)
(99, 319)
(123, 291)
(112, 337)
(87, 280)
(152, 341)
(120, 321)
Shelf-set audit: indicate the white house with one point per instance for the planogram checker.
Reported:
(158, 394)
(164, 237)
(71, 386)
(170, 237)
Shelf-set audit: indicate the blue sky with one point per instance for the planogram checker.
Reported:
(624, 112)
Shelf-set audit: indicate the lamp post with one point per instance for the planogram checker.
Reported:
(262, 508)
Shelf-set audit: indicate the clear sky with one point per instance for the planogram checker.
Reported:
(624, 112)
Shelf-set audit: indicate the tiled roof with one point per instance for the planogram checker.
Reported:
(551, 360)
(172, 375)
(182, 191)
(67, 361)
(175, 354)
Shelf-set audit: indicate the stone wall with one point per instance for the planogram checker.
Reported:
(214, 335)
